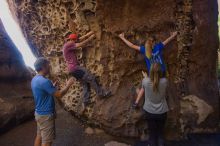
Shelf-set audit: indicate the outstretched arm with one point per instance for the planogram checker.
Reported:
(86, 35)
(174, 34)
(122, 37)
(81, 44)
(140, 95)
(59, 94)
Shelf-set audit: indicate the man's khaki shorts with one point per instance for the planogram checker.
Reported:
(46, 127)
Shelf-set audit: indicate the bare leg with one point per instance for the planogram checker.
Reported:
(37, 141)
(137, 90)
(47, 144)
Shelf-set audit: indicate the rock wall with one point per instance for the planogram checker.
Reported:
(191, 60)
(15, 96)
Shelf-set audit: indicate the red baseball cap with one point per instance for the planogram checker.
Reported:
(72, 37)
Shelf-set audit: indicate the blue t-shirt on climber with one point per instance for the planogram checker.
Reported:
(156, 56)
(43, 91)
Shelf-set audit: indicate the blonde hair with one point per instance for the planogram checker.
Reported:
(155, 75)
(149, 45)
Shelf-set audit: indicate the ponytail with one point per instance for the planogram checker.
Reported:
(155, 75)
(149, 46)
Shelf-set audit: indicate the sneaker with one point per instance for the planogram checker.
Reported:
(133, 92)
(82, 110)
(106, 94)
(161, 142)
(84, 105)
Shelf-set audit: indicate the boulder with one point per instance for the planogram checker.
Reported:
(191, 59)
(89, 131)
(14, 111)
(15, 96)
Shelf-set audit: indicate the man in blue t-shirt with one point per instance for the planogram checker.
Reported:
(152, 51)
(44, 92)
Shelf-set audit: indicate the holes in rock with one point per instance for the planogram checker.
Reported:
(49, 9)
(26, 4)
(45, 29)
(73, 16)
(89, 13)
(62, 10)
(82, 5)
(33, 1)
(63, 24)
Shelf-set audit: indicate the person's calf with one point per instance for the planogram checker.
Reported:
(134, 92)
(37, 141)
(47, 144)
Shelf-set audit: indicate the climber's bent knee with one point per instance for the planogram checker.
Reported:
(78, 74)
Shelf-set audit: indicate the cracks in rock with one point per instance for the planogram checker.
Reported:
(184, 26)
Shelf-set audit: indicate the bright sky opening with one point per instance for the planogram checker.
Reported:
(15, 33)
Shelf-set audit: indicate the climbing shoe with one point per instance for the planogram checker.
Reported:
(87, 103)
(160, 141)
(134, 105)
(84, 105)
(106, 94)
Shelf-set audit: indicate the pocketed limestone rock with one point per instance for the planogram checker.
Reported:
(191, 58)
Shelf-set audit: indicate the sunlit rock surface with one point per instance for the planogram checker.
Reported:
(191, 59)
(15, 94)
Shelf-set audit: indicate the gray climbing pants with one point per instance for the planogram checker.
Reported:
(87, 80)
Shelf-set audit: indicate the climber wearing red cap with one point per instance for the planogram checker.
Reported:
(72, 37)
(80, 73)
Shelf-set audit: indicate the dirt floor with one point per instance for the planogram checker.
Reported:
(71, 133)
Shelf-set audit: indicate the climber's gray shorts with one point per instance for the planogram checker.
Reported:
(46, 127)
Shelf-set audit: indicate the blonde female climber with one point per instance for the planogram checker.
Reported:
(152, 51)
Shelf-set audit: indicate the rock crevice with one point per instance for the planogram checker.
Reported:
(15, 95)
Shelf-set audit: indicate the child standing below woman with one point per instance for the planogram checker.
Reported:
(152, 51)
(155, 105)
